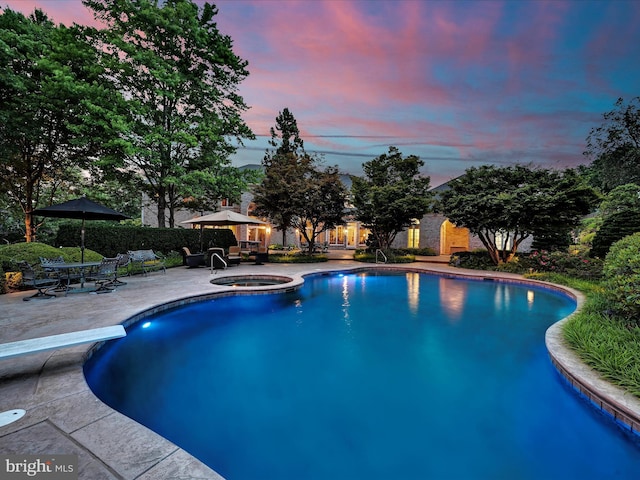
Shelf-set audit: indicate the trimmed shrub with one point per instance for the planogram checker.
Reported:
(475, 260)
(297, 258)
(109, 238)
(615, 227)
(10, 255)
(426, 251)
(622, 278)
(393, 256)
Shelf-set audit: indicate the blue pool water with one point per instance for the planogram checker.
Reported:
(365, 376)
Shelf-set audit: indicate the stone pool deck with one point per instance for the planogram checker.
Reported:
(64, 417)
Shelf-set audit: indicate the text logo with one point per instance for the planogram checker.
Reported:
(49, 467)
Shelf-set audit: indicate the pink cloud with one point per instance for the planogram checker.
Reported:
(475, 80)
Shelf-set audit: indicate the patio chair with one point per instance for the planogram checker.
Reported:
(123, 260)
(234, 256)
(105, 275)
(262, 255)
(38, 279)
(48, 263)
(192, 260)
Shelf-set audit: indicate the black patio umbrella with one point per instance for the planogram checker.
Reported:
(81, 208)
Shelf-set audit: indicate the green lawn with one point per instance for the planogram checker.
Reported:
(607, 343)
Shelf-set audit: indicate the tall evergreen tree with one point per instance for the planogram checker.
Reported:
(283, 168)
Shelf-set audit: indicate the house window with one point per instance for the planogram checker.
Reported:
(363, 236)
(504, 241)
(336, 235)
(413, 235)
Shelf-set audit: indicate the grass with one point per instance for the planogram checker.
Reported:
(607, 343)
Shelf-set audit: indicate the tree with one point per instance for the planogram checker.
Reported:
(391, 195)
(618, 216)
(52, 99)
(295, 192)
(505, 205)
(180, 76)
(283, 168)
(614, 147)
(623, 197)
(318, 202)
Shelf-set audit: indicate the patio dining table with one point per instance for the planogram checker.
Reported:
(65, 270)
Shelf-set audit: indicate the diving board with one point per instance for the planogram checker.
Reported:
(52, 342)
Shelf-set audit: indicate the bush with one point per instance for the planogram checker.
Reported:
(297, 258)
(575, 264)
(622, 278)
(426, 251)
(10, 255)
(475, 260)
(614, 228)
(393, 256)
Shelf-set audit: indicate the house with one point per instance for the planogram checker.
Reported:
(434, 231)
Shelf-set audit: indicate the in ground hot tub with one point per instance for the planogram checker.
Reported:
(251, 280)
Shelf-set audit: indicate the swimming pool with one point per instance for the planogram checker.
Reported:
(365, 376)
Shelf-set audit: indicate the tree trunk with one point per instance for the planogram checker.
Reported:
(29, 225)
(162, 205)
(30, 234)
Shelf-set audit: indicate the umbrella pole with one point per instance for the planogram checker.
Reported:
(82, 253)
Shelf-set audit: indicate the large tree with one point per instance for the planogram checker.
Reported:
(614, 147)
(505, 205)
(53, 100)
(391, 195)
(295, 191)
(318, 199)
(283, 166)
(180, 77)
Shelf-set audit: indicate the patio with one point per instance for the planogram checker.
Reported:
(64, 417)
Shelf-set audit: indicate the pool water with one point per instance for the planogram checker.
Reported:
(365, 376)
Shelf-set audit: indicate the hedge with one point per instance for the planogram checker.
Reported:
(109, 238)
(614, 228)
(622, 278)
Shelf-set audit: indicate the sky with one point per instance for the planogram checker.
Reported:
(458, 83)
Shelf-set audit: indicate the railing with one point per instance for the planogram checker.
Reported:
(222, 260)
(380, 252)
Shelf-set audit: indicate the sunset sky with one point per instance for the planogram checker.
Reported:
(458, 83)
